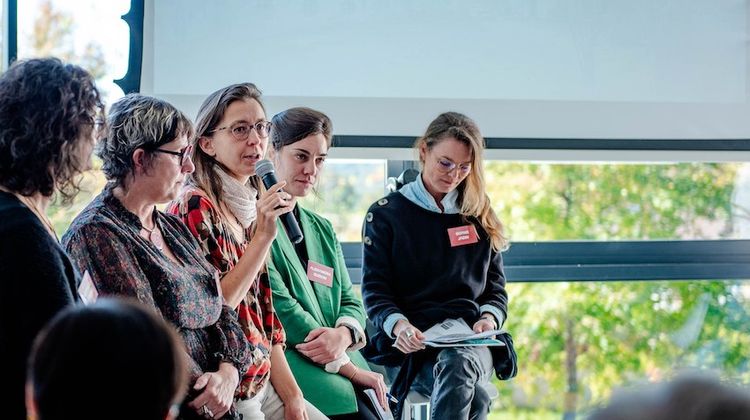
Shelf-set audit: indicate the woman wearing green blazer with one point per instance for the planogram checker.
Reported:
(313, 297)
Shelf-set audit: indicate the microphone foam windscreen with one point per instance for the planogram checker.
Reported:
(263, 167)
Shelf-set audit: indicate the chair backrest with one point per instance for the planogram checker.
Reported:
(408, 175)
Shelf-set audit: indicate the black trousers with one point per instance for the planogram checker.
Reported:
(365, 410)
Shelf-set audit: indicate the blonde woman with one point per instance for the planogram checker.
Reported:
(432, 251)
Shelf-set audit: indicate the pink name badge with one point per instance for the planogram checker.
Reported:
(319, 273)
(87, 290)
(463, 235)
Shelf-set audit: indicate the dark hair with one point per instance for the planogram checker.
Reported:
(210, 113)
(692, 396)
(295, 124)
(114, 359)
(138, 121)
(48, 110)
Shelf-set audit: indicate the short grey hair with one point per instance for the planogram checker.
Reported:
(138, 122)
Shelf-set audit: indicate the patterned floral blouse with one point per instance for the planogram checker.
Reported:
(257, 317)
(105, 241)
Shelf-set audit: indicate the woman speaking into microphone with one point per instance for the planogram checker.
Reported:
(235, 226)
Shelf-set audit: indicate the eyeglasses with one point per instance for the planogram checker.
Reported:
(446, 166)
(182, 154)
(98, 124)
(241, 130)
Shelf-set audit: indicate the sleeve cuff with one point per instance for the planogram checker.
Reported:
(334, 366)
(497, 313)
(359, 332)
(234, 361)
(391, 321)
(278, 335)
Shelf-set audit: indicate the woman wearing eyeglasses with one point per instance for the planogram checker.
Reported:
(432, 252)
(125, 246)
(235, 226)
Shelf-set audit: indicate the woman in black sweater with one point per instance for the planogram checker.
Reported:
(432, 251)
(49, 118)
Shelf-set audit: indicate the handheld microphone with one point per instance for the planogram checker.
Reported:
(264, 169)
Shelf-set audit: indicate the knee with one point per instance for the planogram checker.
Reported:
(455, 364)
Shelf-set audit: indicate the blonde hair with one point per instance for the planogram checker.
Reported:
(472, 197)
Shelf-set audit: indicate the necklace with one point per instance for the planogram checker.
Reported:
(154, 236)
(39, 214)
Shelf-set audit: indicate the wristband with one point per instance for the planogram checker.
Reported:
(356, 371)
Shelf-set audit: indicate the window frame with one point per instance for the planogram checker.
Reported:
(565, 261)
(582, 261)
(131, 81)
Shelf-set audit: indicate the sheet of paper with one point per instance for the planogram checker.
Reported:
(476, 342)
(382, 414)
(453, 331)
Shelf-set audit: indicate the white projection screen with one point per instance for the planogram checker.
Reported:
(575, 69)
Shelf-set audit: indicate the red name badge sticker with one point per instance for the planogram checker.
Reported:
(87, 291)
(463, 235)
(319, 273)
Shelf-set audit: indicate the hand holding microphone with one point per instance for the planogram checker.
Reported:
(264, 169)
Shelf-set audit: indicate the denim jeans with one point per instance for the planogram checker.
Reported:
(456, 383)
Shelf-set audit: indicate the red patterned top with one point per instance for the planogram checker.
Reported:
(256, 314)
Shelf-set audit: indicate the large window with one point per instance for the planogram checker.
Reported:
(675, 235)
(85, 32)
(88, 33)
(577, 342)
(615, 202)
(346, 188)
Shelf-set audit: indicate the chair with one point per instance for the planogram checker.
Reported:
(395, 183)
(417, 405)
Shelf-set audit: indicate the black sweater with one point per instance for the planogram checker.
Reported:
(37, 280)
(410, 267)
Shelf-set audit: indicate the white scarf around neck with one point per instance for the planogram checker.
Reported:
(239, 198)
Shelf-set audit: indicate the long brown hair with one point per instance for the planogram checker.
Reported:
(472, 196)
(210, 113)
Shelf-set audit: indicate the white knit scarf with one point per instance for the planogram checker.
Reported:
(240, 198)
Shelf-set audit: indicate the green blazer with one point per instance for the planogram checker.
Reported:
(302, 306)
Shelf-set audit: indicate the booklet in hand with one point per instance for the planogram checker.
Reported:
(382, 414)
(456, 333)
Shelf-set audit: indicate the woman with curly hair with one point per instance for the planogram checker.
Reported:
(48, 123)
